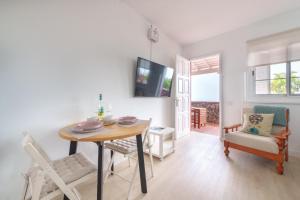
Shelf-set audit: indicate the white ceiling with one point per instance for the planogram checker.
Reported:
(189, 21)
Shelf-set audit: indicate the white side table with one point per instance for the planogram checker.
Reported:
(165, 144)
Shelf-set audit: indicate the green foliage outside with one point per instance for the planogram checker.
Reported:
(278, 84)
(167, 83)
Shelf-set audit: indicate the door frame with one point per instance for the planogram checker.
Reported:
(221, 89)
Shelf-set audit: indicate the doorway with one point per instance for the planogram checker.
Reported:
(206, 95)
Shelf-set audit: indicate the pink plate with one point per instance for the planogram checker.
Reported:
(127, 120)
(87, 126)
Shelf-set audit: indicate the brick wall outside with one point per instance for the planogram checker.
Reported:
(212, 110)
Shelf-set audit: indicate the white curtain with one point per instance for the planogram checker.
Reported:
(294, 51)
(281, 47)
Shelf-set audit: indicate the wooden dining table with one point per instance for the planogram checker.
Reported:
(111, 132)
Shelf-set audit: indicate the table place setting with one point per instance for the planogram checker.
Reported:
(88, 126)
(93, 126)
(130, 121)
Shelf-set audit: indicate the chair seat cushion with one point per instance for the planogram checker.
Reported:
(124, 146)
(262, 143)
(70, 169)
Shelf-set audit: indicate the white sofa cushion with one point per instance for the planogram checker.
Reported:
(263, 143)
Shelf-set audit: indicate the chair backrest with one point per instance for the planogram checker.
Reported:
(29, 144)
(41, 159)
(281, 115)
(146, 135)
(146, 130)
(148, 122)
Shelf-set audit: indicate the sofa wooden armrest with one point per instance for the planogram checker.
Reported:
(232, 128)
(282, 135)
(282, 142)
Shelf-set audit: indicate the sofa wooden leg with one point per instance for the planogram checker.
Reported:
(280, 162)
(286, 154)
(226, 151)
(279, 167)
(281, 155)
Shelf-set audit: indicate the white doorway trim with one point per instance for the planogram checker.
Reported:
(221, 98)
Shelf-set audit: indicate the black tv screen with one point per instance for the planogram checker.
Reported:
(152, 79)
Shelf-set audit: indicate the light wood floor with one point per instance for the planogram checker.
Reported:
(199, 170)
(212, 129)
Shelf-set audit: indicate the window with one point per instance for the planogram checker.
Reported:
(275, 63)
(278, 79)
(271, 79)
(295, 78)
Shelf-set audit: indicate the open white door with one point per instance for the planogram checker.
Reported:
(182, 98)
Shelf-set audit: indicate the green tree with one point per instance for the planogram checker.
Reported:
(278, 84)
(295, 83)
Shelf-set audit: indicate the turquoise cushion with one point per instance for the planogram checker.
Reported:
(279, 113)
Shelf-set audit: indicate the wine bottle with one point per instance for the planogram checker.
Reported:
(100, 108)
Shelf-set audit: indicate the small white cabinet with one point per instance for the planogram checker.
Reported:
(163, 139)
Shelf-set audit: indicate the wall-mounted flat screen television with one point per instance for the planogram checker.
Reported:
(152, 79)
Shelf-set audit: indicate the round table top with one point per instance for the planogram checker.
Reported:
(112, 132)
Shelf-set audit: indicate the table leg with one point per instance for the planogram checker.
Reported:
(73, 147)
(112, 166)
(141, 163)
(72, 150)
(100, 171)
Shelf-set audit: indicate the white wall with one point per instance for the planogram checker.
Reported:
(55, 58)
(205, 87)
(232, 47)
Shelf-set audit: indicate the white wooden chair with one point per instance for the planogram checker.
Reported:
(128, 148)
(47, 179)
